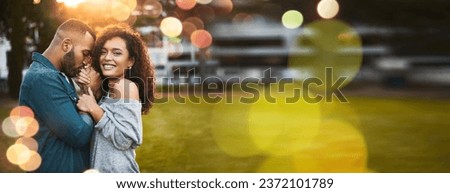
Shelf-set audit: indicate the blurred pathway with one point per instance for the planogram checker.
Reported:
(7, 102)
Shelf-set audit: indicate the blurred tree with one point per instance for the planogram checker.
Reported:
(21, 20)
(48, 15)
(13, 16)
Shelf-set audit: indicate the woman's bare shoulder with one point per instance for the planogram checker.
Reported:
(126, 89)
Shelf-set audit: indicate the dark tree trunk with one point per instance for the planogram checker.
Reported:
(16, 58)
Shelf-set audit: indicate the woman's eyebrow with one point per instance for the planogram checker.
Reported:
(113, 49)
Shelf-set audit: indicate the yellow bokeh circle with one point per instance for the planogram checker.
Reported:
(171, 26)
(283, 127)
(230, 129)
(339, 147)
(333, 55)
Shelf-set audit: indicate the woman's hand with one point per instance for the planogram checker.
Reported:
(83, 77)
(87, 102)
(89, 78)
(95, 81)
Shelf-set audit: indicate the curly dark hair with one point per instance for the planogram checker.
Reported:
(142, 72)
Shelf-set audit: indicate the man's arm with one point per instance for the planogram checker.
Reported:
(50, 100)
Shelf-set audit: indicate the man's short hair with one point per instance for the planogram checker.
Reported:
(76, 26)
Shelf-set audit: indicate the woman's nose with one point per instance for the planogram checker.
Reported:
(107, 56)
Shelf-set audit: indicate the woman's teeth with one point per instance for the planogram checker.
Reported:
(108, 66)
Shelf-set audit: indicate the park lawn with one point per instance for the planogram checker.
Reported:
(367, 134)
(376, 135)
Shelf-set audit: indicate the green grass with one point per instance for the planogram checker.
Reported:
(367, 134)
(405, 135)
(401, 135)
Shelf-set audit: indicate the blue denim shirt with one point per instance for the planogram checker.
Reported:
(63, 136)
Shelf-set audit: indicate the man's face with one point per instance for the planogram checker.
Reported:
(68, 64)
(78, 56)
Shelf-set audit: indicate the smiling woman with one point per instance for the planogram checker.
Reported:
(115, 58)
(127, 72)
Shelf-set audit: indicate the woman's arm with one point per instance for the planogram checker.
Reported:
(123, 89)
(87, 103)
(121, 124)
(121, 121)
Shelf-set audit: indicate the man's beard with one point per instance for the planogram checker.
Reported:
(68, 64)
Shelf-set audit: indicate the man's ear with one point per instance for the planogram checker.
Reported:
(67, 44)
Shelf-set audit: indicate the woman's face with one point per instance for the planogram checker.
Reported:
(114, 58)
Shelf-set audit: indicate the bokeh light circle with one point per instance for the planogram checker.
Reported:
(188, 29)
(152, 8)
(205, 13)
(121, 10)
(195, 21)
(29, 142)
(292, 19)
(338, 144)
(186, 4)
(201, 38)
(21, 111)
(279, 127)
(33, 162)
(131, 4)
(91, 171)
(27, 126)
(335, 54)
(340, 111)
(222, 6)
(72, 3)
(230, 129)
(18, 154)
(327, 9)
(9, 127)
(277, 164)
(171, 26)
(204, 2)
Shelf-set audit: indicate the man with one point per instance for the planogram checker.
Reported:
(47, 88)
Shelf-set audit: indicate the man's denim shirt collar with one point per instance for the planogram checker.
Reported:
(43, 60)
(67, 82)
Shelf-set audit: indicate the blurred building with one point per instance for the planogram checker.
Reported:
(5, 47)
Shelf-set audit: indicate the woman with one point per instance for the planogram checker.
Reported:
(128, 85)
